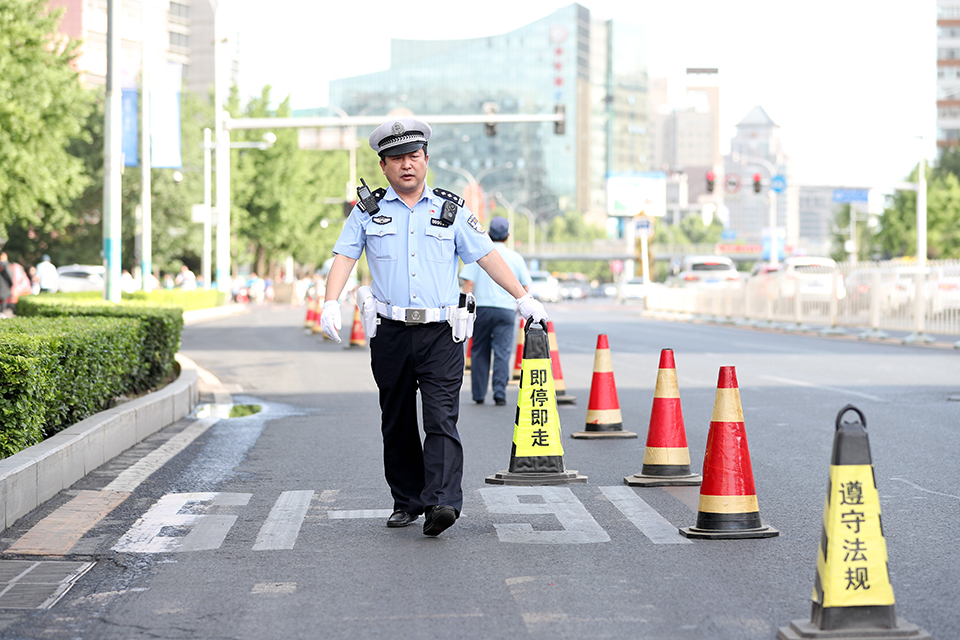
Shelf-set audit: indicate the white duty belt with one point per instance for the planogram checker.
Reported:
(413, 315)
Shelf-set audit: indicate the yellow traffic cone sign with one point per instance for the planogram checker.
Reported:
(536, 457)
(852, 594)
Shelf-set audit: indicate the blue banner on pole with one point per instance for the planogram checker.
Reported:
(165, 116)
(130, 137)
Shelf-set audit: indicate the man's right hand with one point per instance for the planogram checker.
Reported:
(330, 321)
(531, 308)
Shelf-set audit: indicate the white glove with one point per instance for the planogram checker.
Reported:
(367, 305)
(330, 321)
(531, 308)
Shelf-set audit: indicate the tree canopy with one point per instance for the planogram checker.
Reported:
(42, 106)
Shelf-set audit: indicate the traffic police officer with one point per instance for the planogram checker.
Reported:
(414, 237)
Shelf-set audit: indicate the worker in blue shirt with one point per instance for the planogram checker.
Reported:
(414, 237)
(496, 318)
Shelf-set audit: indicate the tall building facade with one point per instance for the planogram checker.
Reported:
(757, 148)
(162, 30)
(594, 69)
(948, 73)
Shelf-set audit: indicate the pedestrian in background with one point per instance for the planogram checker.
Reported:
(34, 280)
(6, 282)
(47, 273)
(414, 237)
(493, 331)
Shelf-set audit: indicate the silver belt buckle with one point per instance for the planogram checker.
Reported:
(415, 316)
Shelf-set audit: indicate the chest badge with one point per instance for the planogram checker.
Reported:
(381, 219)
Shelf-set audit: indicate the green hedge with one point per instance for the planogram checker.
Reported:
(55, 372)
(160, 340)
(187, 300)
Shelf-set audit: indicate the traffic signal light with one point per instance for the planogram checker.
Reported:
(711, 178)
(560, 126)
(756, 183)
(491, 108)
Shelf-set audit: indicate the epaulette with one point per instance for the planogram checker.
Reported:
(377, 193)
(449, 195)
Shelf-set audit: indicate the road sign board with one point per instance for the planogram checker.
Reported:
(778, 183)
(731, 183)
(851, 195)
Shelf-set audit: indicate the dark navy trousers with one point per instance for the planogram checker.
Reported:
(492, 332)
(405, 359)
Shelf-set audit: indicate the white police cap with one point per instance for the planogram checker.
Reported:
(399, 136)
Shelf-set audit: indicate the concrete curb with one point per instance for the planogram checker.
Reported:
(36, 474)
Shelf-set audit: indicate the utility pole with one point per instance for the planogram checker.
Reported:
(112, 158)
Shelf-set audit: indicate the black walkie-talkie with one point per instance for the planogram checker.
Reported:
(368, 202)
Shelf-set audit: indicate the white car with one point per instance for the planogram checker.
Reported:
(704, 271)
(544, 286)
(80, 277)
(813, 276)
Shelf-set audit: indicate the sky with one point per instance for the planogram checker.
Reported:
(852, 83)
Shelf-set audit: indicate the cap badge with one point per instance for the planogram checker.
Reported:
(397, 128)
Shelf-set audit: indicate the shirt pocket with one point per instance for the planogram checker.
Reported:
(438, 244)
(382, 242)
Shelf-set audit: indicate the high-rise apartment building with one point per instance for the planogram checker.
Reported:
(163, 30)
(594, 69)
(948, 73)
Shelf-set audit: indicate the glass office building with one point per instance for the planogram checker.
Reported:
(563, 59)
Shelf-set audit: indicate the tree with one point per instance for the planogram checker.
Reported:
(42, 106)
(867, 243)
(897, 235)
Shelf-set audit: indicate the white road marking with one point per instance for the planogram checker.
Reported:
(800, 383)
(283, 524)
(274, 587)
(360, 513)
(203, 531)
(637, 511)
(131, 477)
(579, 527)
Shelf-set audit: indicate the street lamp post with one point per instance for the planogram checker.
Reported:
(268, 140)
(511, 210)
(351, 133)
(473, 181)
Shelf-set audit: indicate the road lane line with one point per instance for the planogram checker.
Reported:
(57, 533)
(641, 514)
(800, 383)
(360, 513)
(579, 527)
(151, 533)
(283, 523)
(131, 477)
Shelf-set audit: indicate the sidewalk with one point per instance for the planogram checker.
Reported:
(36, 474)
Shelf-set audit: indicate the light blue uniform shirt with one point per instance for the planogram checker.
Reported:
(488, 292)
(412, 256)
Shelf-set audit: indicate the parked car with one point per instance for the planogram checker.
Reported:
(812, 276)
(633, 289)
(704, 271)
(80, 277)
(544, 286)
(574, 288)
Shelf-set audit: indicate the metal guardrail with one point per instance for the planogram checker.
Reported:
(872, 296)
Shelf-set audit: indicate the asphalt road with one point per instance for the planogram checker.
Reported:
(272, 525)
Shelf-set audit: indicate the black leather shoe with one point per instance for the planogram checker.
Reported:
(500, 401)
(480, 401)
(438, 519)
(401, 518)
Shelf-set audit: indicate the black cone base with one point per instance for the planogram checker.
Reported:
(563, 398)
(598, 435)
(643, 480)
(536, 479)
(800, 629)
